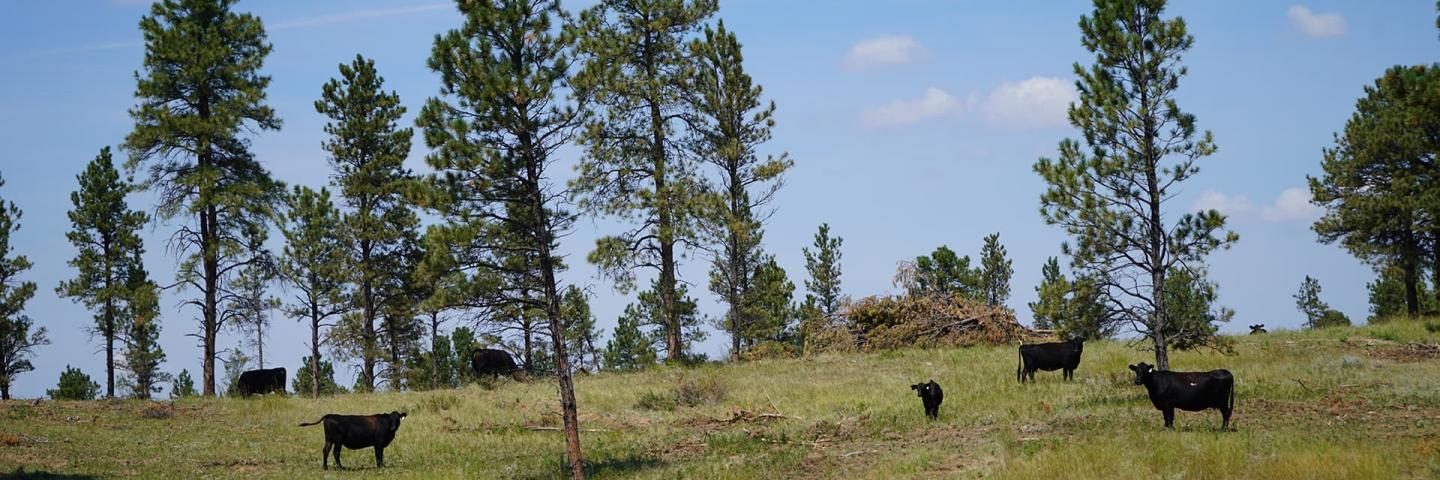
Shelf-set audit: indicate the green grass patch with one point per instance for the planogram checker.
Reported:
(1360, 402)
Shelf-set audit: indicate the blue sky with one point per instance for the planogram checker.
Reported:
(913, 124)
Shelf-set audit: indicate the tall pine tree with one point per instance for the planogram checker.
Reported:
(731, 124)
(104, 232)
(313, 265)
(199, 94)
(636, 73)
(1380, 189)
(1140, 148)
(495, 132)
(367, 151)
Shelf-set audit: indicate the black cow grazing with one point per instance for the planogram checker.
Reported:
(1189, 391)
(931, 395)
(1258, 329)
(262, 381)
(358, 431)
(489, 361)
(1049, 357)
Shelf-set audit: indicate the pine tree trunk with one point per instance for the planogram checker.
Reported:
(434, 352)
(665, 236)
(4, 390)
(314, 354)
(109, 348)
(259, 343)
(1412, 279)
(543, 239)
(368, 329)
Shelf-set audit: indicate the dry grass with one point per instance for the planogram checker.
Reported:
(1317, 404)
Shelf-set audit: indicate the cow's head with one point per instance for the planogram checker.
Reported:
(1078, 343)
(923, 389)
(1142, 372)
(395, 420)
(1257, 328)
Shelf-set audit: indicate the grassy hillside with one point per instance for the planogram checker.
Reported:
(1338, 403)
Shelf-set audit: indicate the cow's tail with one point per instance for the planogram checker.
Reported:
(1019, 364)
(1232, 394)
(317, 422)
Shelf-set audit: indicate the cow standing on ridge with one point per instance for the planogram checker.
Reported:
(260, 382)
(1049, 357)
(489, 361)
(1258, 329)
(1189, 391)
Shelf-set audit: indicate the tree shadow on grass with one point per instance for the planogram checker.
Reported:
(42, 475)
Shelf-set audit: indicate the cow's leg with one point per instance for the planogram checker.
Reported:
(379, 457)
(325, 457)
(1170, 418)
(1067, 375)
(338, 466)
(1225, 418)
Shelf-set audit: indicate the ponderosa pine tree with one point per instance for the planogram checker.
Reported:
(636, 73)
(823, 264)
(769, 305)
(74, 385)
(1073, 309)
(104, 232)
(313, 264)
(1110, 194)
(945, 273)
(1380, 190)
(183, 386)
(143, 354)
(17, 341)
(731, 123)
(629, 348)
(580, 331)
(494, 133)
(367, 151)
(995, 272)
(199, 94)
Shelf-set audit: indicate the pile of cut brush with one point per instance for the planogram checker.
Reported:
(933, 320)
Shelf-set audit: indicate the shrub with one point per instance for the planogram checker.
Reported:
(686, 393)
(157, 410)
(1432, 327)
(769, 349)
(436, 403)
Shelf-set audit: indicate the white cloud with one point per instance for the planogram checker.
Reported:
(1038, 102)
(883, 52)
(1317, 25)
(934, 103)
(1291, 205)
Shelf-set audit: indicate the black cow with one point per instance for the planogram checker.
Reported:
(931, 395)
(262, 381)
(1189, 391)
(489, 361)
(358, 431)
(1049, 357)
(1258, 329)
